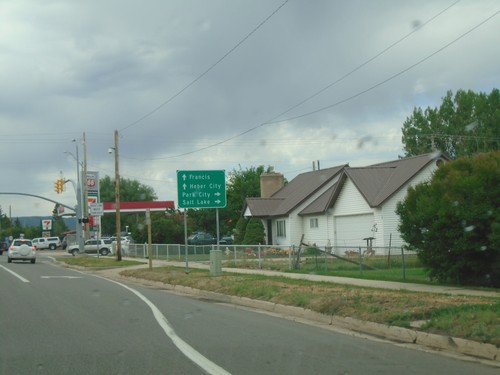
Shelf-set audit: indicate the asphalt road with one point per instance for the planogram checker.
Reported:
(60, 321)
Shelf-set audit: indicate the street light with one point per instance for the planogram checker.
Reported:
(78, 208)
(117, 199)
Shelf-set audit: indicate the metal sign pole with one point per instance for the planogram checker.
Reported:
(185, 239)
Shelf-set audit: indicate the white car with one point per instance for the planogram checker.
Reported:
(21, 249)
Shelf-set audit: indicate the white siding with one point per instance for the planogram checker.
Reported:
(350, 201)
(299, 225)
(319, 235)
(390, 219)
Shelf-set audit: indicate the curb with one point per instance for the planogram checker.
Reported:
(393, 333)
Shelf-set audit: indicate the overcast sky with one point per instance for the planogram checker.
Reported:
(223, 84)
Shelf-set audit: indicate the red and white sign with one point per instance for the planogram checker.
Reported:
(91, 183)
(46, 224)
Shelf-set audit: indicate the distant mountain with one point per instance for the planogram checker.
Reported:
(34, 221)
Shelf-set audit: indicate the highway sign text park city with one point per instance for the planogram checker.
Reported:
(201, 189)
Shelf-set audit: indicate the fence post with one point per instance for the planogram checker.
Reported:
(360, 262)
(403, 261)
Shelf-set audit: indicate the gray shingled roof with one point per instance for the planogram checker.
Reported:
(325, 200)
(377, 183)
(292, 194)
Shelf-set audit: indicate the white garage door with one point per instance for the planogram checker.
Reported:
(350, 230)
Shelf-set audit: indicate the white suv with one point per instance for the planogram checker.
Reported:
(103, 246)
(51, 243)
(21, 249)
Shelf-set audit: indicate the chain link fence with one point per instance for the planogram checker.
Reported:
(304, 258)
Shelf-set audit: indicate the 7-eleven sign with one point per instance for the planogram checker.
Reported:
(46, 224)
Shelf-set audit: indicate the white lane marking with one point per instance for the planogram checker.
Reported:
(15, 274)
(198, 358)
(60, 277)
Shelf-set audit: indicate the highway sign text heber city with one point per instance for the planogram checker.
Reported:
(201, 189)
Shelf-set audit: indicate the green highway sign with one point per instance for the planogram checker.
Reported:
(201, 189)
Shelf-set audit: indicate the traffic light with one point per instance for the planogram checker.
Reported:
(59, 185)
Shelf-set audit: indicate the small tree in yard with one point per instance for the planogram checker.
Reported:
(254, 233)
(239, 233)
(453, 221)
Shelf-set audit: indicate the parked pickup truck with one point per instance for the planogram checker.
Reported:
(42, 243)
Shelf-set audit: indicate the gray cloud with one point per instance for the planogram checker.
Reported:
(69, 68)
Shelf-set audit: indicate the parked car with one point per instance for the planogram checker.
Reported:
(201, 238)
(4, 246)
(226, 240)
(103, 246)
(42, 243)
(125, 245)
(21, 249)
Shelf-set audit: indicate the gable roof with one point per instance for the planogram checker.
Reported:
(376, 183)
(325, 200)
(292, 194)
(379, 182)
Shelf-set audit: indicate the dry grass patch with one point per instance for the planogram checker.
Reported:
(376, 305)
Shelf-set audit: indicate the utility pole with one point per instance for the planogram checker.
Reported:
(84, 185)
(78, 209)
(117, 202)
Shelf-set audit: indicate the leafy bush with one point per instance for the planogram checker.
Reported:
(254, 232)
(453, 221)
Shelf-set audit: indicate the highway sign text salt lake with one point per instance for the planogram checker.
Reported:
(201, 189)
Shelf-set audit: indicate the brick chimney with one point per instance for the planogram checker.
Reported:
(270, 183)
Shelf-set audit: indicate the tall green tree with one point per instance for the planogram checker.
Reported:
(58, 224)
(166, 228)
(464, 124)
(453, 221)
(130, 191)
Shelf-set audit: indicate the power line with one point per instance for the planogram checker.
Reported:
(272, 120)
(390, 78)
(206, 71)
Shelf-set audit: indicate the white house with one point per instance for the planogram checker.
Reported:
(342, 207)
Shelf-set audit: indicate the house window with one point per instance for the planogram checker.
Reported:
(281, 228)
(313, 223)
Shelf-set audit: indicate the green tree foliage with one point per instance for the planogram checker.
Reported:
(463, 125)
(239, 233)
(58, 224)
(453, 221)
(166, 228)
(254, 232)
(130, 191)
